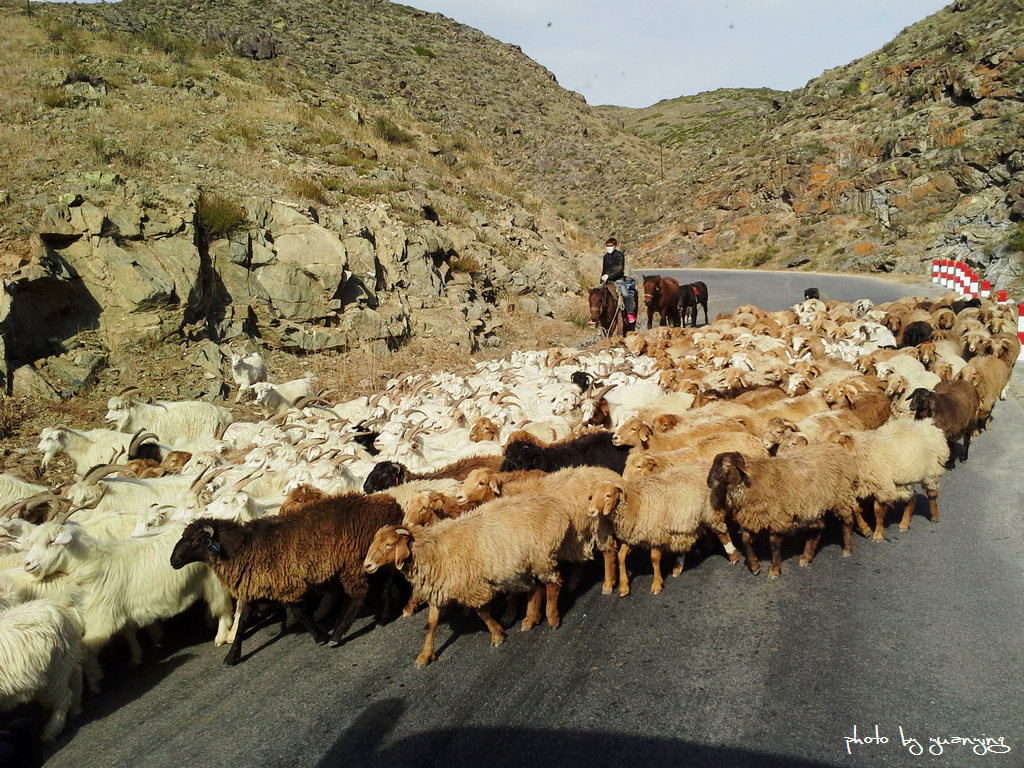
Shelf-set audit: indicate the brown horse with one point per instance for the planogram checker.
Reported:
(606, 310)
(661, 294)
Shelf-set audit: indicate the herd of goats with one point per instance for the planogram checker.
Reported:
(759, 425)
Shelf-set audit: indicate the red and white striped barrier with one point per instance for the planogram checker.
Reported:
(1020, 329)
(1001, 297)
(975, 277)
(986, 289)
(935, 270)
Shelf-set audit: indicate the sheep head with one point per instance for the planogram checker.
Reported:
(922, 403)
(199, 543)
(390, 546)
(633, 432)
(484, 429)
(728, 474)
(665, 422)
(424, 509)
(384, 475)
(48, 548)
(605, 498)
(480, 485)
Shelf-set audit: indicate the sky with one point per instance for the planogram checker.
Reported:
(634, 53)
(638, 52)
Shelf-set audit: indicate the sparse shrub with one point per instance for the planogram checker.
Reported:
(307, 188)
(217, 215)
(55, 97)
(420, 50)
(8, 417)
(466, 263)
(851, 88)
(1015, 239)
(391, 132)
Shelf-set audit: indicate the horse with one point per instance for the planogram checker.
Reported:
(661, 294)
(690, 296)
(606, 310)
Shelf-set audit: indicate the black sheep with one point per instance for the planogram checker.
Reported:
(594, 449)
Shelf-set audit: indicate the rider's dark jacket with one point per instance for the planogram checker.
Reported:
(614, 265)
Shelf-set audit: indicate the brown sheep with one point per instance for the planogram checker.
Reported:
(659, 513)
(484, 429)
(507, 545)
(785, 494)
(989, 377)
(282, 558)
(954, 407)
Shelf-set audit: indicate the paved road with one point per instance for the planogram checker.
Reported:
(922, 631)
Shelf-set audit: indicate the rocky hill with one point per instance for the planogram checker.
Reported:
(910, 153)
(352, 174)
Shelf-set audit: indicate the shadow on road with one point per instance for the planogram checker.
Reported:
(363, 744)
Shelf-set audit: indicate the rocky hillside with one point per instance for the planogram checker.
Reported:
(353, 174)
(911, 153)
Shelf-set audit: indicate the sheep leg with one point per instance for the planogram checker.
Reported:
(933, 502)
(730, 548)
(552, 589)
(810, 547)
(348, 616)
(303, 617)
(748, 547)
(847, 538)
(234, 654)
(233, 631)
(497, 633)
(880, 510)
(776, 543)
(427, 654)
(410, 607)
(623, 576)
(532, 617)
(862, 524)
(609, 570)
(131, 637)
(575, 576)
(659, 582)
(967, 442)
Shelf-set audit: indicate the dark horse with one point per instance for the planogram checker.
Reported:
(606, 310)
(661, 295)
(691, 295)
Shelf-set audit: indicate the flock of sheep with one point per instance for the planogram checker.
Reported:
(506, 480)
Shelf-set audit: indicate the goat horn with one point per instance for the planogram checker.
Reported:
(599, 394)
(198, 482)
(10, 509)
(125, 390)
(500, 397)
(138, 439)
(221, 430)
(237, 487)
(99, 472)
(346, 458)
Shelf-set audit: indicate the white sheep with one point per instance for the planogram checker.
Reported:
(184, 424)
(277, 398)
(247, 370)
(124, 583)
(41, 657)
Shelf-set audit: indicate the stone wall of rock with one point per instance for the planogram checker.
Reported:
(295, 278)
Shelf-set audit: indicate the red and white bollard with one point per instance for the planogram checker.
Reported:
(986, 289)
(935, 270)
(1001, 297)
(958, 277)
(1020, 328)
(947, 268)
(975, 277)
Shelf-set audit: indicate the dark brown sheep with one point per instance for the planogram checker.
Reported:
(786, 494)
(282, 558)
(388, 474)
(954, 407)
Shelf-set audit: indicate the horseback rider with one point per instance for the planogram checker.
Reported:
(613, 268)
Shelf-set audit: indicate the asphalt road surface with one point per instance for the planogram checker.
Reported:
(920, 635)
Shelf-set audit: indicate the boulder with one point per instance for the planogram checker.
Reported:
(26, 381)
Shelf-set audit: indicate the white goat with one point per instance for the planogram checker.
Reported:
(40, 657)
(277, 398)
(246, 370)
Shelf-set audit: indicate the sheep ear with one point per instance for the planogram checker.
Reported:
(644, 433)
(64, 537)
(495, 486)
(401, 553)
(614, 500)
